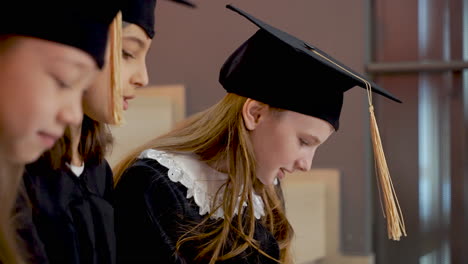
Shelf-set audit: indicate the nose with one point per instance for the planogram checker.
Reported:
(302, 165)
(72, 113)
(140, 77)
(305, 163)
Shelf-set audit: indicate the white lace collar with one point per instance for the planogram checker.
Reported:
(202, 181)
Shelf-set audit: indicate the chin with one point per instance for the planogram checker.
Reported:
(101, 117)
(109, 119)
(25, 157)
(267, 181)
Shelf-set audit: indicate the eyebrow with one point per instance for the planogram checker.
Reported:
(80, 68)
(315, 139)
(135, 39)
(77, 64)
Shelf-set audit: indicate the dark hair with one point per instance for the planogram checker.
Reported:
(95, 141)
(10, 179)
(8, 42)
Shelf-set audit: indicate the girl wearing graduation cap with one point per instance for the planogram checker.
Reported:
(208, 191)
(71, 186)
(44, 71)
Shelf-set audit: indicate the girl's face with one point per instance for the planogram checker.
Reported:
(283, 141)
(97, 102)
(42, 84)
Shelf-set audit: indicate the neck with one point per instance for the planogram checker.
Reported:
(77, 160)
(220, 166)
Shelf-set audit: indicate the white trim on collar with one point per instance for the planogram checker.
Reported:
(202, 181)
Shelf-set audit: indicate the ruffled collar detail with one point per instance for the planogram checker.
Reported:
(202, 181)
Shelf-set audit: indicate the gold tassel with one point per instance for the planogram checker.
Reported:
(395, 222)
(115, 37)
(391, 207)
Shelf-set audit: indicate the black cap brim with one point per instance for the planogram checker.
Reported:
(186, 3)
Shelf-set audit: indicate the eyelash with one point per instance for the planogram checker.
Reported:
(126, 55)
(60, 83)
(303, 142)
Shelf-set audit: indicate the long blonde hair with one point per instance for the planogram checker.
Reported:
(217, 136)
(10, 178)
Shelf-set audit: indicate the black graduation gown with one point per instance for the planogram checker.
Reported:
(73, 216)
(29, 241)
(150, 211)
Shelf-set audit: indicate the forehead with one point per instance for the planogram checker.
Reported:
(132, 32)
(305, 123)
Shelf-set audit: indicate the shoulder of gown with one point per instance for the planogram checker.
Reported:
(151, 212)
(73, 215)
(148, 208)
(28, 237)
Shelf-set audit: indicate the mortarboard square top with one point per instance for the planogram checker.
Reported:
(141, 13)
(278, 69)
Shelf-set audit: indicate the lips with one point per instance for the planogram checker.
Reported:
(281, 174)
(125, 101)
(48, 138)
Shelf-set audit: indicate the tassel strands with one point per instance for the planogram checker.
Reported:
(115, 63)
(395, 222)
(391, 207)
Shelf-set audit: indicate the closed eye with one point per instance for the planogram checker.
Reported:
(304, 142)
(127, 55)
(60, 82)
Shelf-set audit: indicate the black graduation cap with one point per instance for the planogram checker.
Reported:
(278, 69)
(185, 2)
(141, 13)
(83, 24)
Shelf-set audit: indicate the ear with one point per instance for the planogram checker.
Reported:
(253, 113)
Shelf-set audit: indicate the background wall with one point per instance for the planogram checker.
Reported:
(191, 45)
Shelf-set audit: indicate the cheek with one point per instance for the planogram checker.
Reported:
(128, 88)
(287, 143)
(97, 99)
(21, 122)
(273, 148)
(27, 101)
(263, 145)
(99, 90)
(126, 71)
